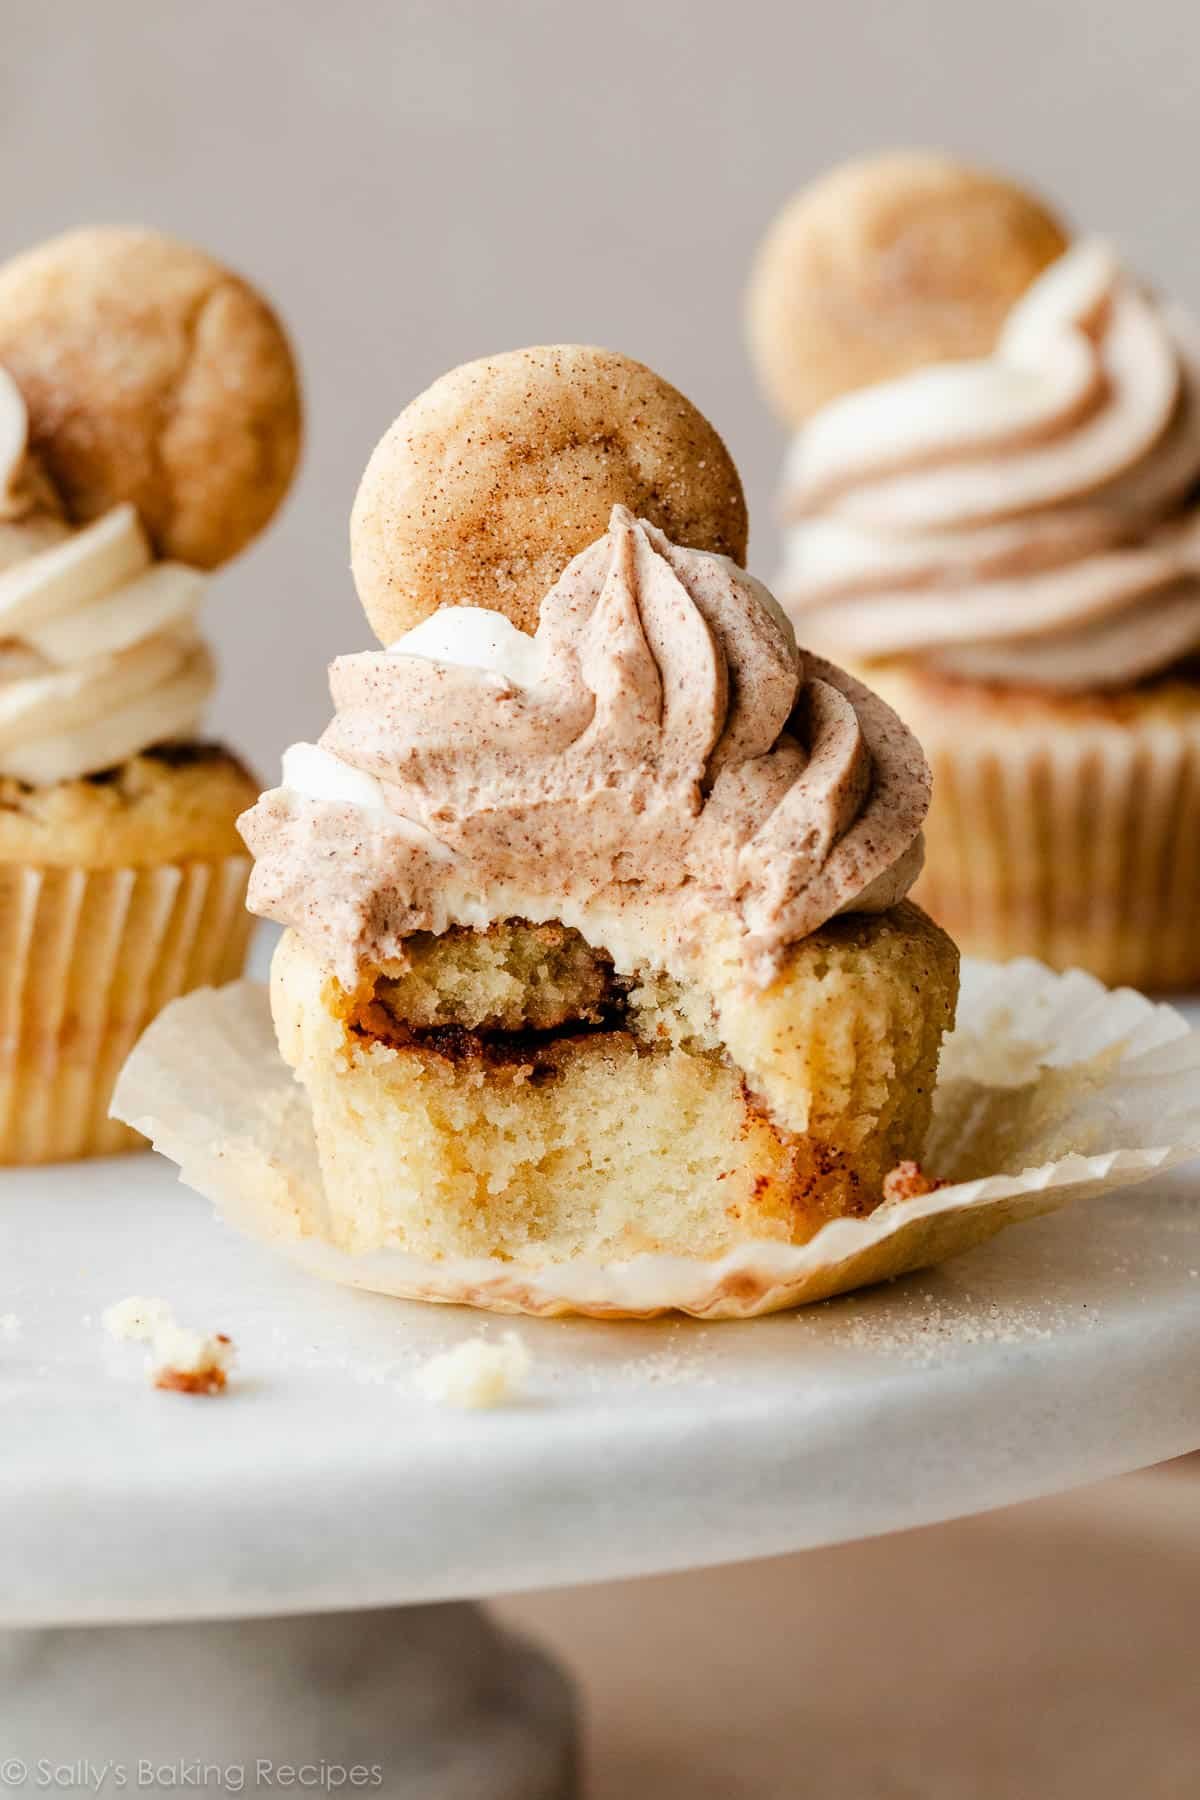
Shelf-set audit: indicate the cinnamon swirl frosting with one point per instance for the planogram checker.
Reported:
(1031, 518)
(657, 762)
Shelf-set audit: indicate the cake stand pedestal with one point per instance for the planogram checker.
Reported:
(323, 1491)
(424, 1702)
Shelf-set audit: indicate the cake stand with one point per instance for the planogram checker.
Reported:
(347, 1519)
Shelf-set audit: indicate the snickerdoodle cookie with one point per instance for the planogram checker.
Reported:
(496, 476)
(885, 264)
(153, 375)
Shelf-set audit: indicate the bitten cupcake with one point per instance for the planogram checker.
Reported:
(595, 885)
(149, 427)
(1007, 545)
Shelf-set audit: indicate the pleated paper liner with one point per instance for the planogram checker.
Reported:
(1052, 1089)
(1081, 847)
(87, 958)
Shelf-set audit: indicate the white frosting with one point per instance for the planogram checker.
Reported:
(1029, 517)
(1042, 375)
(307, 769)
(471, 637)
(99, 653)
(14, 441)
(317, 774)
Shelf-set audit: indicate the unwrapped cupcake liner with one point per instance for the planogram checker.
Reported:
(87, 958)
(1080, 846)
(1052, 1089)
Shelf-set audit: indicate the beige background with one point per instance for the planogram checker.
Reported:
(420, 182)
(1044, 1653)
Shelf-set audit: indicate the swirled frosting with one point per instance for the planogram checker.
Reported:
(1031, 518)
(658, 757)
(99, 652)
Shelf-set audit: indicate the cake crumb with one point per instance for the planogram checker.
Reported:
(477, 1373)
(908, 1181)
(10, 1327)
(137, 1319)
(179, 1361)
(192, 1363)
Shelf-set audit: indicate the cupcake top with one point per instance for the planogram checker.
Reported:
(1030, 517)
(149, 425)
(995, 473)
(657, 765)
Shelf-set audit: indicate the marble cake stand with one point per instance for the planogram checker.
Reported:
(346, 1520)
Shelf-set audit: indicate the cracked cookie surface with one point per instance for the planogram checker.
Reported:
(153, 375)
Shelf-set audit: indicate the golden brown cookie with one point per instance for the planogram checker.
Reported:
(884, 265)
(496, 476)
(152, 374)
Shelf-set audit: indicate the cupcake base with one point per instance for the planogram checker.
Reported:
(634, 1130)
(1051, 1090)
(1063, 827)
(118, 892)
(87, 959)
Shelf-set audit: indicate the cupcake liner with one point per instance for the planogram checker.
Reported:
(1052, 1089)
(1079, 845)
(87, 958)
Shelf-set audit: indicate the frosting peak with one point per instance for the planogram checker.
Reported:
(1029, 517)
(659, 743)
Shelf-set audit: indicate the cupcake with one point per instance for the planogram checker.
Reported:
(992, 513)
(149, 427)
(597, 939)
